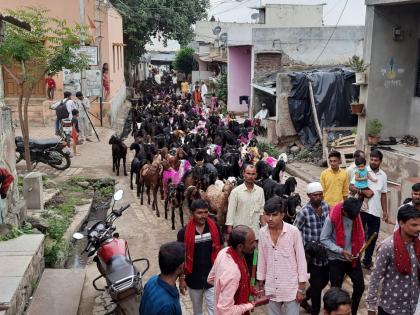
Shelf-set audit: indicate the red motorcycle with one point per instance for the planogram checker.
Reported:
(113, 260)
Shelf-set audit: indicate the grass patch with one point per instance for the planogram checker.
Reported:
(271, 149)
(16, 232)
(59, 213)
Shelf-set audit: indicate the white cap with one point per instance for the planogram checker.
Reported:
(314, 187)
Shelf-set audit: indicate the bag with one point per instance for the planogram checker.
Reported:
(61, 110)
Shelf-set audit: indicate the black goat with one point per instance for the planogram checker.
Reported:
(119, 151)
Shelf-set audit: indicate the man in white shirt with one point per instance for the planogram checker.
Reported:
(204, 91)
(263, 115)
(376, 205)
(83, 106)
(69, 106)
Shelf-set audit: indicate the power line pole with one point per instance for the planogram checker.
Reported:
(82, 43)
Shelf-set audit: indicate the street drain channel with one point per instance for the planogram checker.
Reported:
(102, 197)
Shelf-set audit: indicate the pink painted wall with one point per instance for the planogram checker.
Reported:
(239, 76)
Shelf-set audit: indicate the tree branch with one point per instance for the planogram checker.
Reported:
(12, 75)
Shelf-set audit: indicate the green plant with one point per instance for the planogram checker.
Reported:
(374, 127)
(354, 131)
(184, 60)
(271, 149)
(354, 101)
(222, 87)
(46, 49)
(16, 232)
(357, 64)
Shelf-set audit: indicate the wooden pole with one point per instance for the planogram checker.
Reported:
(314, 113)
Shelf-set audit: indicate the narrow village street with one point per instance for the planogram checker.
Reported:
(143, 230)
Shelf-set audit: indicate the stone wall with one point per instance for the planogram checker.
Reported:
(266, 63)
(8, 161)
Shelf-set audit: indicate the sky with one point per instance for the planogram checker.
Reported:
(238, 10)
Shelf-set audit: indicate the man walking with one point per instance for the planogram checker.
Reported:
(415, 196)
(281, 261)
(376, 205)
(229, 274)
(337, 302)
(246, 204)
(343, 237)
(160, 296)
(334, 180)
(202, 240)
(310, 220)
(83, 106)
(397, 268)
(63, 109)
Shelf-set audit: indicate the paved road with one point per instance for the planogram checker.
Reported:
(139, 226)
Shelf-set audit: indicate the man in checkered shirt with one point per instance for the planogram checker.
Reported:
(310, 220)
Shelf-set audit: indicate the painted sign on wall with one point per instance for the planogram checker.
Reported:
(392, 75)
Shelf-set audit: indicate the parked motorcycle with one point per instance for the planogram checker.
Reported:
(52, 152)
(65, 130)
(113, 260)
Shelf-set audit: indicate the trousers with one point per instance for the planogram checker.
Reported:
(371, 224)
(283, 308)
(197, 300)
(320, 276)
(340, 268)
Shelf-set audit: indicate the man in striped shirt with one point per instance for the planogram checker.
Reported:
(281, 261)
(310, 220)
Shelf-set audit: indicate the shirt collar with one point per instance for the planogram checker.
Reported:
(380, 171)
(168, 288)
(324, 207)
(244, 188)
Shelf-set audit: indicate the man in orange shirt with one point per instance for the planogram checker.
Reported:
(196, 96)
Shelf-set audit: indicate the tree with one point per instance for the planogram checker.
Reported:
(47, 48)
(165, 19)
(184, 60)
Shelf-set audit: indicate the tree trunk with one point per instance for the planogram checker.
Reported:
(26, 128)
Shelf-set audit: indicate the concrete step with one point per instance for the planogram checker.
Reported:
(58, 292)
(21, 265)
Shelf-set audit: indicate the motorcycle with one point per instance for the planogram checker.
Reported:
(113, 260)
(52, 152)
(65, 130)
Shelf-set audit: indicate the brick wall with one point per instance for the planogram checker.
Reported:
(266, 63)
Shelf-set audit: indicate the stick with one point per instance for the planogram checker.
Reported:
(87, 114)
(318, 128)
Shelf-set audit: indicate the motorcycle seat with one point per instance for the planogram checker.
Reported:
(44, 143)
(119, 267)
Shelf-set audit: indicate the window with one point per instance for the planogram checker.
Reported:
(113, 57)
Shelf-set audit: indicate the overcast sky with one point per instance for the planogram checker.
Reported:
(238, 11)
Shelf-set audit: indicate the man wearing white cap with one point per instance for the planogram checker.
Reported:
(310, 220)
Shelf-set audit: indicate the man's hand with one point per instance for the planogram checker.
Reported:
(182, 286)
(347, 255)
(386, 217)
(300, 297)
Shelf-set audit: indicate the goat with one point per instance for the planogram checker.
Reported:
(217, 196)
(175, 199)
(150, 177)
(119, 151)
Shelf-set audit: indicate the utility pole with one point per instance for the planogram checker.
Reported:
(1, 69)
(82, 43)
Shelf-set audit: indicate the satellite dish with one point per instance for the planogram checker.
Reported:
(217, 30)
(255, 16)
(224, 38)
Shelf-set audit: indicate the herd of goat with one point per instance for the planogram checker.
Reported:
(185, 155)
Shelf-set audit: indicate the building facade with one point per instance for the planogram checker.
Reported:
(105, 31)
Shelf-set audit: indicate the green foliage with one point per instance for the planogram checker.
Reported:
(184, 60)
(47, 48)
(357, 64)
(16, 232)
(271, 149)
(165, 19)
(222, 87)
(374, 127)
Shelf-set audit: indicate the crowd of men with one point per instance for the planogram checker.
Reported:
(333, 237)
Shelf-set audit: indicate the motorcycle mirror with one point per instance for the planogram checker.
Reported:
(118, 195)
(78, 236)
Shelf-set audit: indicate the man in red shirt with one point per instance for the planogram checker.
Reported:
(50, 87)
(6, 179)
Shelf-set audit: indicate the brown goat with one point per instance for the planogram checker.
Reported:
(218, 200)
(151, 178)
